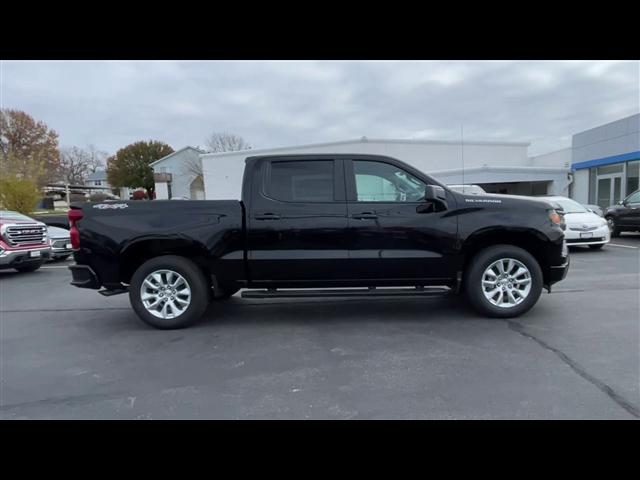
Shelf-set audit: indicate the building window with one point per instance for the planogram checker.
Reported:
(633, 174)
(97, 183)
(607, 169)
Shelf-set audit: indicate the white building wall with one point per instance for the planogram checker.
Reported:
(223, 171)
(615, 138)
(558, 158)
(581, 186)
(178, 166)
(162, 191)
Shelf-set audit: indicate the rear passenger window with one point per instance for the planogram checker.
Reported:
(302, 181)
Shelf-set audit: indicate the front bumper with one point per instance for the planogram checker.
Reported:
(17, 258)
(84, 277)
(556, 273)
(559, 272)
(61, 247)
(596, 237)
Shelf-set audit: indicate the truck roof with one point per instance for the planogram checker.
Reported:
(312, 156)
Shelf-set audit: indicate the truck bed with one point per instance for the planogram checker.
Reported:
(132, 231)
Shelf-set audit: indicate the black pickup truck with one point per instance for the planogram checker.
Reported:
(320, 225)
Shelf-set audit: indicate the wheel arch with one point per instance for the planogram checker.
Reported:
(532, 241)
(141, 250)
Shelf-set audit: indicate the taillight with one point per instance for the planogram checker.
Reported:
(75, 214)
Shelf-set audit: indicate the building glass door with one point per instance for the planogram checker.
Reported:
(609, 190)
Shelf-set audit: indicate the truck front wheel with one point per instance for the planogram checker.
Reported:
(169, 292)
(503, 281)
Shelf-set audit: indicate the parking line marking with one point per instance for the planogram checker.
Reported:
(54, 266)
(621, 246)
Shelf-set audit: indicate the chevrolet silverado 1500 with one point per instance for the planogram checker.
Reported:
(320, 225)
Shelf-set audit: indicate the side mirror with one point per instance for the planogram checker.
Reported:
(435, 193)
(621, 202)
(435, 200)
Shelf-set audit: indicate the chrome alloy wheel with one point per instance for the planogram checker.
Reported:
(165, 294)
(506, 283)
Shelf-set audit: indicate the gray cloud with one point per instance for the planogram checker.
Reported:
(111, 104)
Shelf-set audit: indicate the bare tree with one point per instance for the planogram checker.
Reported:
(193, 167)
(215, 143)
(77, 163)
(226, 142)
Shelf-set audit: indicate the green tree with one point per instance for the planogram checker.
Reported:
(129, 167)
(28, 148)
(18, 194)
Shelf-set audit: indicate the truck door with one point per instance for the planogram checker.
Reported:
(393, 233)
(297, 221)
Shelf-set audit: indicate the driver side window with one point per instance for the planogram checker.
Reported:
(383, 182)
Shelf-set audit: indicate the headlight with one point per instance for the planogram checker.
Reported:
(555, 217)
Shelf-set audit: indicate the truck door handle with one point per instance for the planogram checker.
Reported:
(365, 216)
(267, 216)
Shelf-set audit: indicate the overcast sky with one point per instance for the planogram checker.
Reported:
(272, 104)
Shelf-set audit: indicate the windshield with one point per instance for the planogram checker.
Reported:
(570, 206)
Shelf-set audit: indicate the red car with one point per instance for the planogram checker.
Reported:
(23, 242)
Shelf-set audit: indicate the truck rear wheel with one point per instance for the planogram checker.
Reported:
(503, 281)
(169, 292)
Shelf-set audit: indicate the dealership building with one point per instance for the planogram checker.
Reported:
(606, 161)
(600, 167)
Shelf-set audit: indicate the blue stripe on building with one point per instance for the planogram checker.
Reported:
(606, 160)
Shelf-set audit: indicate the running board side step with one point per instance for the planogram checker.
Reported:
(349, 292)
(111, 293)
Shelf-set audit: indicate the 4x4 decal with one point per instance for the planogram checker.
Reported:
(104, 206)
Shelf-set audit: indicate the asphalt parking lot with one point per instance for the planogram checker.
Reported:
(71, 353)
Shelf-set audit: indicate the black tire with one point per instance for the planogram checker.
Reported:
(476, 268)
(226, 293)
(596, 247)
(31, 267)
(198, 286)
(615, 231)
